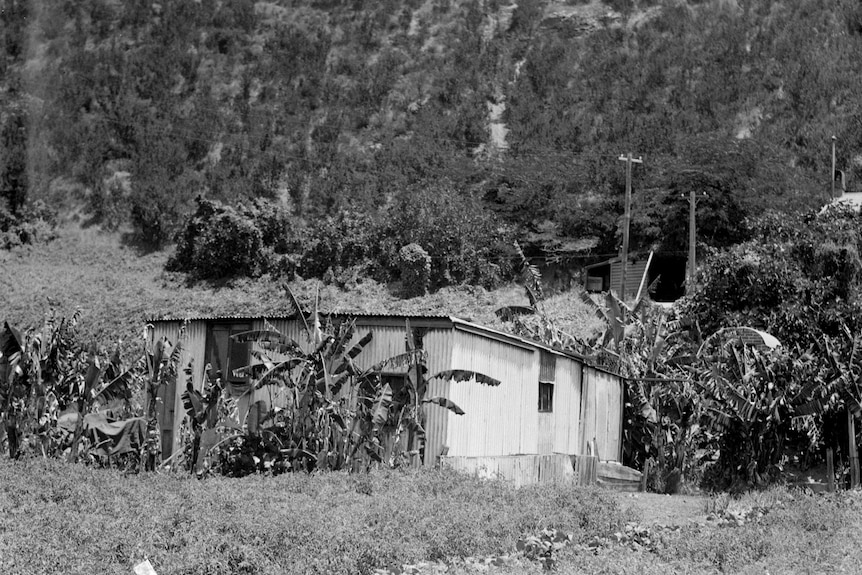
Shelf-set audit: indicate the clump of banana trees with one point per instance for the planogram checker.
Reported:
(331, 412)
(58, 396)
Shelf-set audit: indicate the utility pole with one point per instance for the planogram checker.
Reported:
(628, 218)
(832, 176)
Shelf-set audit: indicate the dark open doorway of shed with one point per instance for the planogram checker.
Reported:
(671, 273)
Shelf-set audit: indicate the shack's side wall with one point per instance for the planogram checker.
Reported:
(500, 420)
(601, 414)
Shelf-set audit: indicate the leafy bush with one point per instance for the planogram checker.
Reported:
(465, 243)
(415, 264)
(338, 243)
(218, 241)
(36, 222)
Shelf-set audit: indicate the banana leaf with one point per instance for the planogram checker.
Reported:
(447, 403)
(460, 375)
(407, 359)
(380, 410)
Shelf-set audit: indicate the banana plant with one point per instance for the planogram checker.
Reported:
(162, 361)
(338, 413)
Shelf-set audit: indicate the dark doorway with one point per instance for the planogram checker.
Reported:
(670, 272)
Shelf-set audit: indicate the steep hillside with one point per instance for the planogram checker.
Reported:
(134, 108)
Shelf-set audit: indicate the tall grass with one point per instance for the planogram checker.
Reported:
(57, 518)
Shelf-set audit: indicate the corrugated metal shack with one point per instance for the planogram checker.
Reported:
(549, 407)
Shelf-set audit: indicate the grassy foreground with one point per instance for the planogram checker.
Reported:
(57, 518)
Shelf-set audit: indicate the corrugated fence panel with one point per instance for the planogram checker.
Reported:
(568, 398)
(499, 420)
(588, 411)
(601, 415)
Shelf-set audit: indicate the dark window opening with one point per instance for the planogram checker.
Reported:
(546, 397)
(225, 355)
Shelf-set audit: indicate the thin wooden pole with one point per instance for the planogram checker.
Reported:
(832, 175)
(627, 219)
(644, 277)
(852, 451)
(830, 471)
(692, 239)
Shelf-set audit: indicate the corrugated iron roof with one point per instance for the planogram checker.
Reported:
(220, 317)
(456, 322)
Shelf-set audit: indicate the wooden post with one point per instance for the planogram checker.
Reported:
(830, 471)
(692, 238)
(852, 451)
(627, 219)
(645, 475)
(832, 176)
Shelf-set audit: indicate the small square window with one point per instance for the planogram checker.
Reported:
(546, 397)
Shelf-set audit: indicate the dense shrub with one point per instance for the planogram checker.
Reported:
(465, 242)
(218, 242)
(35, 223)
(415, 264)
(338, 243)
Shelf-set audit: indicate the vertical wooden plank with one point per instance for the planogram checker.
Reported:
(830, 471)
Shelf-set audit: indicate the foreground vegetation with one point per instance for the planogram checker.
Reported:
(60, 518)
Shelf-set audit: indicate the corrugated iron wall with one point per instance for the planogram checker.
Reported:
(634, 274)
(170, 412)
(601, 414)
(501, 420)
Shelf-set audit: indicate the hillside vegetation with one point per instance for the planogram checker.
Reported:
(117, 289)
(515, 111)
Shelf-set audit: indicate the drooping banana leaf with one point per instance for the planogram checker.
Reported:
(350, 355)
(444, 402)
(643, 404)
(460, 375)
(380, 410)
(10, 341)
(407, 359)
(595, 308)
(193, 402)
(298, 308)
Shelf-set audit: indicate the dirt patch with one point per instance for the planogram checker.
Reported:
(654, 508)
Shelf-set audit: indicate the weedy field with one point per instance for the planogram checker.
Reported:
(59, 518)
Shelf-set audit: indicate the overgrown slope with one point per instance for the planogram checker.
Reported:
(117, 288)
(136, 107)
